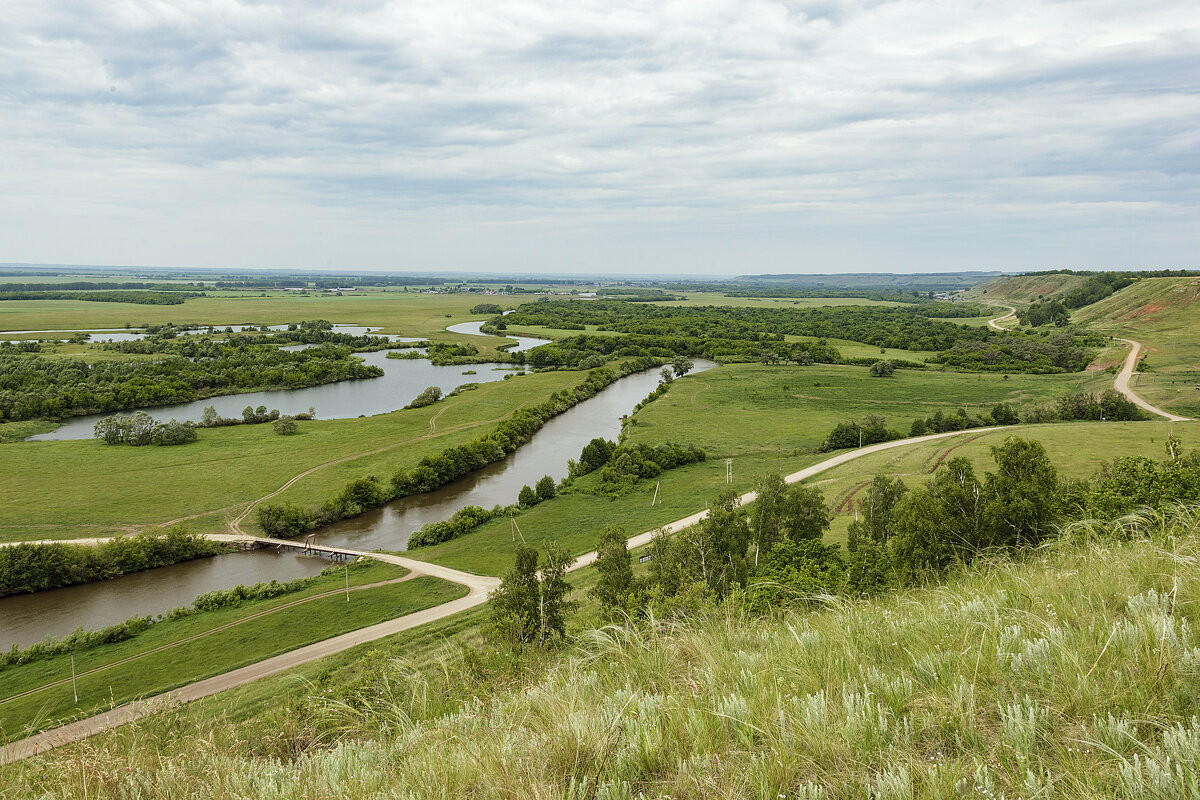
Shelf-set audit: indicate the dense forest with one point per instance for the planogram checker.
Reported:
(725, 333)
(188, 369)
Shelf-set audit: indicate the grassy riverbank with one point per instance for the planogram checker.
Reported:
(174, 652)
(213, 479)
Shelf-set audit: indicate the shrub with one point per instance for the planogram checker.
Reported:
(426, 398)
(285, 425)
(882, 369)
(284, 520)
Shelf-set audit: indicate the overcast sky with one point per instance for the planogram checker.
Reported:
(654, 137)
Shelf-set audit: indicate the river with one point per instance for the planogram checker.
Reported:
(25, 619)
(403, 379)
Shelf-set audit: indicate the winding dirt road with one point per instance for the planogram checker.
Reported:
(478, 586)
(995, 321)
(1121, 384)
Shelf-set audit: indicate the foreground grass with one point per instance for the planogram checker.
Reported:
(208, 644)
(1073, 674)
(213, 479)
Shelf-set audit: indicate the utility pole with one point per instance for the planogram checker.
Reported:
(347, 581)
(654, 500)
(74, 684)
(729, 470)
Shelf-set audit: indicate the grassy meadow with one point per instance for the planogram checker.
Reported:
(740, 409)
(187, 649)
(72, 489)
(768, 418)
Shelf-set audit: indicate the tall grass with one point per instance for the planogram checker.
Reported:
(1074, 673)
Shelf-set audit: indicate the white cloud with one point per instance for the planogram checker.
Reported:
(730, 136)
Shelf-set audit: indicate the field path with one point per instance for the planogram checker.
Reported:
(995, 323)
(1122, 383)
(479, 587)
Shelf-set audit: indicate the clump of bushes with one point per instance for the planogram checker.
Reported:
(871, 430)
(140, 428)
(882, 369)
(426, 398)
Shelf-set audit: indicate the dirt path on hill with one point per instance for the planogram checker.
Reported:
(1122, 383)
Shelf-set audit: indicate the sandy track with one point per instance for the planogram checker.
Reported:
(1122, 383)
(995, 322)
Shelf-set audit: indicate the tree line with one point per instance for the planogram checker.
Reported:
(33, 387)
(726, 334)
(114, 296)
(29, 567)
(772, 554)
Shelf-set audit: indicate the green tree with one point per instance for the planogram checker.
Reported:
(530, 606)
(545, 488)
(876, 523)
(1021, 503)
(614, 565)
(793, 513)
(682, 365)
(527, 497)
(882, 369)
(285, 425)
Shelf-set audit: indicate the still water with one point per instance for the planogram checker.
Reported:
(403, 379)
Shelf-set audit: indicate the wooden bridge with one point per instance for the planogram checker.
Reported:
(309, 547)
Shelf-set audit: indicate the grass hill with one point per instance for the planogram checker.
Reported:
(1023, 289)
(1163, 314)
(1072, 674)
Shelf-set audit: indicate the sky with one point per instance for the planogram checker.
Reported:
(692, 138)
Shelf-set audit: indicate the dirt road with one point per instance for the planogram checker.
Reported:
(1122, 383)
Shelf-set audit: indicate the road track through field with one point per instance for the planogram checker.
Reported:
(995, 321)
(479, 587)
(1122, 383)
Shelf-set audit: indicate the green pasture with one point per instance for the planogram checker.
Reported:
(746, 408)
(1077, 450)
(71, 489)
(201, 656)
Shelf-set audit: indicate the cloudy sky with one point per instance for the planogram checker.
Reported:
(631, 137)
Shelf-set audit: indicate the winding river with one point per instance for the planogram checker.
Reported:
(25, 619)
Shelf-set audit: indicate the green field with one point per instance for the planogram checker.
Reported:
(71, 489)
(768, 418)
(760, 408)
(209, 643)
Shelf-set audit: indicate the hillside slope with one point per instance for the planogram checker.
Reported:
(1024, 289)
(1163, 314)
(1073, 674)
